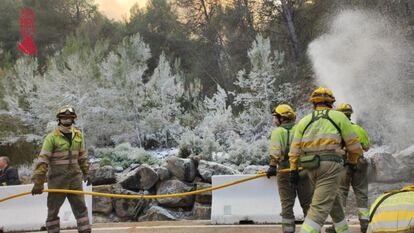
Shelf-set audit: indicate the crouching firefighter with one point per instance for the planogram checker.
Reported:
(284, 118)
(317, 147)
(65, 161)
(393, 212)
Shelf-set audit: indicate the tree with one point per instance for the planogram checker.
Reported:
(258, 90)
(162, 108)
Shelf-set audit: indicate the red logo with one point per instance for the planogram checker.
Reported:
(28, 46)
(27, 30)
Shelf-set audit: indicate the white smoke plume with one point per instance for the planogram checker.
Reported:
(367, 62)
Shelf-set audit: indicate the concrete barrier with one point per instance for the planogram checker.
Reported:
(255, 201)
(29, 212)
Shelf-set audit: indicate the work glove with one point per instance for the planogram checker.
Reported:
(37, 189)
(294, 177)
(272, 171)
(362, 164)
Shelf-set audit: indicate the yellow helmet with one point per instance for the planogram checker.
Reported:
(284, 110)
(66, 111)
(321, 95)
(345, 108)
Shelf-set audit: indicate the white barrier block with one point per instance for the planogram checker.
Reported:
(255, 200)
(29, 212)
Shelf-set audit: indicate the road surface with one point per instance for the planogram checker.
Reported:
(186, 227)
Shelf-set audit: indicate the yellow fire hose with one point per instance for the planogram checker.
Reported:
(77, 192)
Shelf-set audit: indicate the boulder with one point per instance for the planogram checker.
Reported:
(126, 208)
(208, 169)
(175, 186)
(386, 169)
(406, 160)
(201, 211)
(102, 204)
(129, 180)
(183, 169)
(118, 169)
(157, 213)
(148, 177)
(140, 178)
(101, 218)
(253, 169)
(163, 173)
(102, 175)
(204, 198)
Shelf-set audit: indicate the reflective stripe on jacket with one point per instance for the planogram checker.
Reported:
(279, 144)
(393, 214)
(322, 136)
(57, 150)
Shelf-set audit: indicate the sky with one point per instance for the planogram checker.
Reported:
(117, 9)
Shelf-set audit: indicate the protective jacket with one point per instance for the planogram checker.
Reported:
(393, 212)
(57, 150)
(362, 135)
(280, 141)
(324, 131)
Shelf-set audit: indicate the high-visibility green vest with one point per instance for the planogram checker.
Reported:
(58, 151)
(280, 141)
(327, 131)
(362, 135)
(393, 212)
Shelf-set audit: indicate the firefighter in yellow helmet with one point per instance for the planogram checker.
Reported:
(317, 147)
(284, 118)
(64, 160)
(356, 175)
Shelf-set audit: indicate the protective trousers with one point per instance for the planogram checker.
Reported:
(66, 177)
(326, 198)
(288, 193)
(357, 178)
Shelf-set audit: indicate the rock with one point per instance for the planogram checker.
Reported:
(118, 169)
(386, 169)
(406, 160)
(201, 211)
(102, 204)
(148, 177)
(157, 213)
(208, 169)
(101, 218)
(103, 175)
(175, 186)
(129, 180)
(253, 169)
(204, 198)
(183, 169)
(141, 178)
(126, 208)
(134, 165)
(163, 173)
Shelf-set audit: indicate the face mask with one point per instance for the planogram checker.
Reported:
(66, 122)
